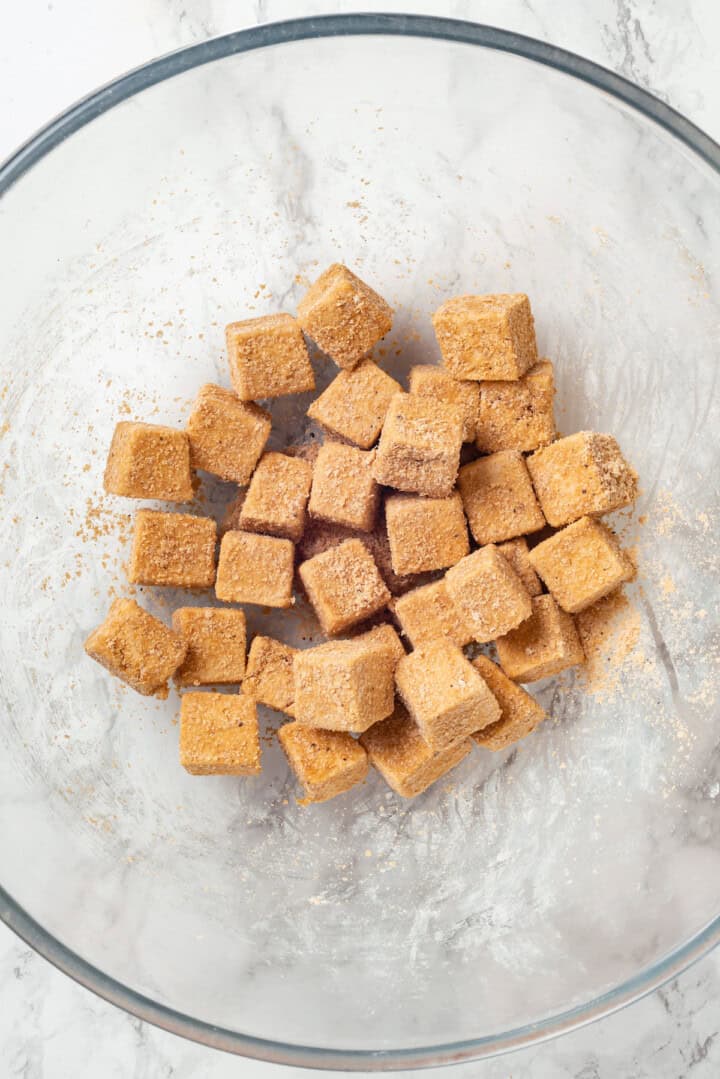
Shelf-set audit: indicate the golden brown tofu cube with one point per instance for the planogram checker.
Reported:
(518, 555)
(344, 586)
(268, 357)
(520, 713)
(444, 693)
(346, 685)
(344, 316)
(582, 475)
(326, 763)
(277, 496)
(269, 677)
(425, 533)
(344, 490)
(419, 447)
(429, 380)
(355, 404)
(581, 564)
(542, 645)
(427, 613)
(215, 640)
(320, 536)
(136, 648)
(226, 435)
(255, 569)
(517, 415)
(219, 735)
(404, 759)
(488, 594)
(486, 337)
(147, 460)
(498, 498)
(173, 549)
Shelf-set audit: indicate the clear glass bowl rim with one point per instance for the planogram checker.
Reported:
(28, 155)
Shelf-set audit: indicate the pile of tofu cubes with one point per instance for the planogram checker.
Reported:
(413, 515)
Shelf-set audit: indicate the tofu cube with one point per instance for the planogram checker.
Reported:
(276, 499)
(517, 553)
(344, 316)
(488, 594)
(215, 640)
(498, 498)
(419, 447)
(255, 569)
(425, 533)
(269, 676)
(219, 735)
(346, 685)
(542, 645)
(326, 763)
(268, 357)
(226, 435)
(147, 460)
(429, 380)
(404, 759)
(444, 693)
(136, 648)
(517, 415)
(520, 713)
(581, 564)
(427, 613)
(344, 490)
(583, 475)
(172, 549)
(344, 586)
(320, 536)
(355, 404)
(486, 337)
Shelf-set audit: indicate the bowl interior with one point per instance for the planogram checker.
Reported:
(529, 881)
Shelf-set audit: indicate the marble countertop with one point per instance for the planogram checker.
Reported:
(52, 54)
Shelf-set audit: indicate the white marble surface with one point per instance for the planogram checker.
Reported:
(56, 53)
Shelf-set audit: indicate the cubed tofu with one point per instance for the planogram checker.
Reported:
(520, 713)
(488, 594)
(226, 435)
(219, 735)
(425, 533)
(215, 641)
(404, 759)
(355, 404)
(498, 498)
(444, 693)
(486, 337)
(172, 550)
(344, 586)
(583, 475)
(429, 380)
(427, 612)
(344, 316)
(147, 460)
(517, 415)
(255, 569)
(542, 645)
(344, 490)
(268, 357)
(137, 648)
(420, 445)
(346, 685)
(276, 500)
(269, 676)
(581, 564)
(326, 763)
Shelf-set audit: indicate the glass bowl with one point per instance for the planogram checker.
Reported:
(534, 889)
